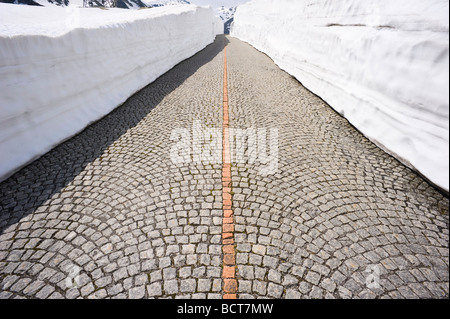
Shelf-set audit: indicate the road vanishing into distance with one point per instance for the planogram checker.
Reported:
(159, 199)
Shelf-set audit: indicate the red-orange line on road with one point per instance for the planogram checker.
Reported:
(229, 253)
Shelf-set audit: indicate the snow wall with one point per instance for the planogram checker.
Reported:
(382, 64)
(64, 68)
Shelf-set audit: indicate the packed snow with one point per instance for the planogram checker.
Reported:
(63, 68)
(159, 3)
(382, 64)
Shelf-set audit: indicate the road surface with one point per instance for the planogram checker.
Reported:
(111, 214)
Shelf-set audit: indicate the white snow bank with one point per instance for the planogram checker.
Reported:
(218, 25)
(63, 68)
(382, 64)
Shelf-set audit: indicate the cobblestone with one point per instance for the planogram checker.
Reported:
(108, 212)
(337, 205)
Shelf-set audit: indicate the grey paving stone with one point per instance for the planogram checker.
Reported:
(293, 294)
(171, 287)
(274, 291)
(204, 285)
(154, 290)
(188, 285)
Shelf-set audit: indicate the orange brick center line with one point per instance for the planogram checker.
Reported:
(229, 254)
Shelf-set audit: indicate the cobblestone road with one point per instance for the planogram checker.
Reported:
(108, 214)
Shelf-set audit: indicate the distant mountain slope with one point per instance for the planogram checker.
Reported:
(226, 13)
(28, 2)
(124, 4)
(227, 26)
(131, 4)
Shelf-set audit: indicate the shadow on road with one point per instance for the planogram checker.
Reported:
(29, 188)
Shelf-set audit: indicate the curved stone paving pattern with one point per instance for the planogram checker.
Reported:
(337, 206)
(111, 202)
(109, 213)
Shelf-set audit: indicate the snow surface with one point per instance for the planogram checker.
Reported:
(219, 3)
(64, 68)
(164, 2)
(382, 64)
